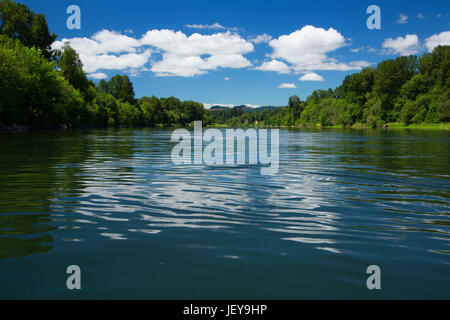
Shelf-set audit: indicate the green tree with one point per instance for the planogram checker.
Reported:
(103, 86)
(191, 111)
(295, 107)
(390, 76)
(106, 110)
(72, 69)
(33, 91)
(151, 111)
(121, 88)
(355, 87)
(435, 66)
(17, 21)
(129, 115)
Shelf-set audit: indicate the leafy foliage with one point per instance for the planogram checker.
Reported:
(72, 69)
(33, 91)
(17, 21)
(120, 87)
(411, 90)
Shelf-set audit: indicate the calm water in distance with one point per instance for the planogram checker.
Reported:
(112, 202)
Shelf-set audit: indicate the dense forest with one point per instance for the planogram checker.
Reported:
(45, 88)
(405, 90)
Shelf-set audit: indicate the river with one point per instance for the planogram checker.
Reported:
(113, 203)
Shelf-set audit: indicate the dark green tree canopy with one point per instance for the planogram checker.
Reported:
(296, 106)
(294, 101)
(72, 68)
(119, 87)
(406, 89)
(356, 86)
(17, 21)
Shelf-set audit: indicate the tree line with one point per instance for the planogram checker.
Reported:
(408, 90)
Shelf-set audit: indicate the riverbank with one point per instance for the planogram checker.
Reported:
(14, 128)
(395, 125)
(424, 126)
(389, 126)
(29, 128)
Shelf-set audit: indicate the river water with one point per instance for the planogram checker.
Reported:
(138, 226)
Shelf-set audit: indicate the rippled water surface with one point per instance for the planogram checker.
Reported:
(113, 203)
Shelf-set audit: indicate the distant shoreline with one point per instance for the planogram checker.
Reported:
(390, 126)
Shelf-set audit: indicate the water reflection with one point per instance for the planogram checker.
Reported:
(44, 172)
(338, 192)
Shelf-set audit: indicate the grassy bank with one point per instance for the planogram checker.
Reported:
(423, 126)
(395, 126)
(399, 126)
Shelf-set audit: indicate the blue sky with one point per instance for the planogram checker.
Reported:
(225, 62)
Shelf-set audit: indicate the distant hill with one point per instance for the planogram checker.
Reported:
(244, 108)
(217, 108)
(261, 109)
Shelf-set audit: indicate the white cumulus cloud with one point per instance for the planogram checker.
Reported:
(111, 41)
(307, 49)
(182, 55)
(404, 46)
(108, 50)
(197, 44)
(287, 86)
(311, 76)
(196, 54)
(274, 65)
(437, 39)
(262, 38)
(98, 75)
